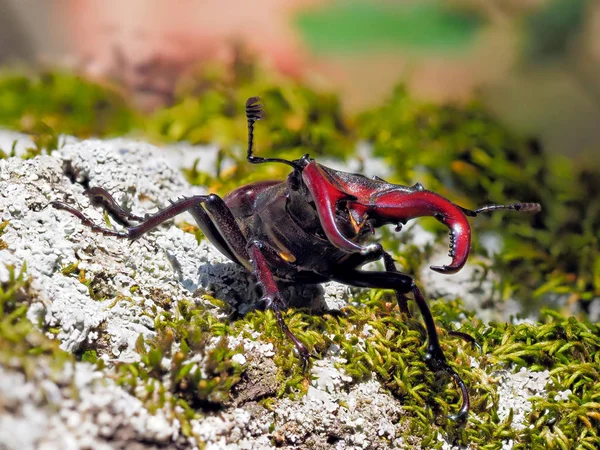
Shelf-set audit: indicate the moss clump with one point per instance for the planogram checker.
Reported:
(183, 364)
(570, 350)
(293, 379)
(462, 152)
(375, 340)
(64, 102)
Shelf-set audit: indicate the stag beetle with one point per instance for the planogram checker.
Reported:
(314, 227)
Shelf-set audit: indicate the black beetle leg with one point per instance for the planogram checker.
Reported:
(400, 296)
(435, 355)
(467, 338)
(210, 212)
(402, 283)
(271, 295)
(403, 304)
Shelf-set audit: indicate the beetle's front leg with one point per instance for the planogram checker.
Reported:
(402, 300)
(271, 295)
(390, 266)
(404, 284)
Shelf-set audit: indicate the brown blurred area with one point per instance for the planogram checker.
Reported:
(147, 44)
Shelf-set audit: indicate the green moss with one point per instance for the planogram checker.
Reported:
(70, 269)
(90, 356)
(292, 378)
(182, 365)
(393, 350)
(64, 102)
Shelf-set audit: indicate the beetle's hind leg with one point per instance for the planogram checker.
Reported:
(102, 197)
(404, 284)
(272, 297)
(210, 212)
(85, 220)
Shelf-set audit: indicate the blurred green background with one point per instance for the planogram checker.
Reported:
(535, 64)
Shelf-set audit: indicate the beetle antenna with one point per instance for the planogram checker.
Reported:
(521, 207)
(254, 112)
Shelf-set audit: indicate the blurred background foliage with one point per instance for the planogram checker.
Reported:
(209, 108)
(62, 101)
(526, 129)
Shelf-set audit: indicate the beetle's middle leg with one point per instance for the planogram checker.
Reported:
(271, 295)
(404, 284)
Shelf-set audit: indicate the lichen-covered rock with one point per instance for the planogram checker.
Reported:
(79, 408)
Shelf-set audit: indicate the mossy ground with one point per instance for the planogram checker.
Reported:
(460, 152)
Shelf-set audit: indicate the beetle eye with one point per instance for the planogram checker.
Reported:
(304, 160)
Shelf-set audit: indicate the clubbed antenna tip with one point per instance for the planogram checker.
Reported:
(254, 110)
